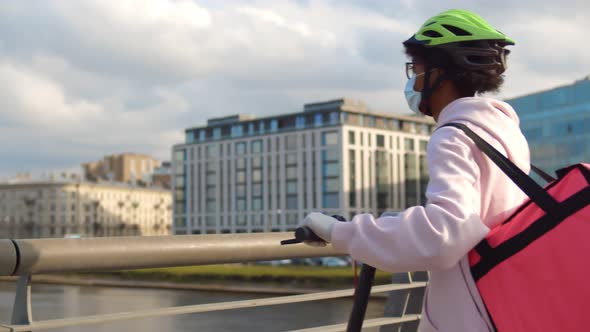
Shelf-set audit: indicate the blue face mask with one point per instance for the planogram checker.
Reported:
(413, 97)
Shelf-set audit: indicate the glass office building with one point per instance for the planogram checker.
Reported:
(556, 124)
(243, 174)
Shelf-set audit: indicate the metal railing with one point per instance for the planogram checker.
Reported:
(25, 257)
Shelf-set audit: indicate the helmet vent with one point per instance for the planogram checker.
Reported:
(456, 31)
(432, 34)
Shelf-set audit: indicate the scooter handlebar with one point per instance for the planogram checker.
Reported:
(305, 233)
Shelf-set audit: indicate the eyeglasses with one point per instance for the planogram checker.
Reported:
(410, 70)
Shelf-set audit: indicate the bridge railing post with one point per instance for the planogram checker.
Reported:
(405, 301)
(22, 313)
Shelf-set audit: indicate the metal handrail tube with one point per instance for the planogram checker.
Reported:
(35, 256)
(375, 322)
(200, 308)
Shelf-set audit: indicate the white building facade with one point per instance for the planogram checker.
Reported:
(76, 208)
(241, 174)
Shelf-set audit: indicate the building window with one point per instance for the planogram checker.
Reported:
(179, 222)
(237, 130)
(329, 138)
(330, 169)
(256, 175)
(179, 155)
(424, 129)
(241, 190)
(241, 163)
(371, 121)
(291, 202)
(291, 142)
(274, 125)
(178, 195)
(210, 167)
(240, 148)
(330, 201)
(257, 204)
(256, 146)
(291, 159)
(318, 120)
(291, 187)
(343, 117)
(257, 162)
(394, 124)
(423, 178)
(331, 185)
(257, 189)
(262, 127)
(211, 206)
(291, 172)
(190, 137)
(423, 146)
(241, 204)
(210, 221)
(300, 122)
(409, 144)
(241, 177)
(216, 133)
(241, 220)
(380, 141)
(352, 177)
(381, 174)
(411, 181)
(334, 118)
(410, 127)
(330, 155)
(211, 151)
(351, 137)
(353, 119)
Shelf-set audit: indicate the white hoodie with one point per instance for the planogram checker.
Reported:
(466, 196)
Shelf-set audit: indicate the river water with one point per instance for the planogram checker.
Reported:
(59, 301)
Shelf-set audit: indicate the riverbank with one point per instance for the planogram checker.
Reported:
(272, 280)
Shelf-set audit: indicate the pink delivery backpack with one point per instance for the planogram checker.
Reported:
(532, 271)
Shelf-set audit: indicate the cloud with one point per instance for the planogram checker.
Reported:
(81, 79)
(38, 116)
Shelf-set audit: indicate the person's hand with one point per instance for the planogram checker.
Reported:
(321, 225)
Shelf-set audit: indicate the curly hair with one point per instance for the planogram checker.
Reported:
(468, 82)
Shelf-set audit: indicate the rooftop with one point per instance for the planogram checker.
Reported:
(342, 104)
(36, 183)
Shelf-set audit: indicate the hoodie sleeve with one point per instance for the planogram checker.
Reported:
(432, 237)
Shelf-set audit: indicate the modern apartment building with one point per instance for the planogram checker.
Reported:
(64, 207)
(127, 167)
(242, 174)
(556, 124)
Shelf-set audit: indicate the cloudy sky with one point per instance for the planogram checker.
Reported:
(82, 79)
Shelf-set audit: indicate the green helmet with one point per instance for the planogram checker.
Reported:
(471, 41)
(457, 25)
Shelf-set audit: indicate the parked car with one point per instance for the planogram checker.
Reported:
(281, 262)
(307, 261)
(334, 262)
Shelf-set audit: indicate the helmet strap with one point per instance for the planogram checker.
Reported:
(428, 91)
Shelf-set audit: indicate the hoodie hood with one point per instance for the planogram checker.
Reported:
(493, 120)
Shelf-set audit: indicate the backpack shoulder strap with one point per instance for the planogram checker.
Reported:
(536, 193)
